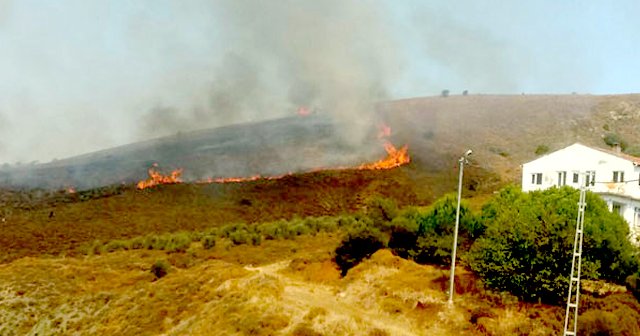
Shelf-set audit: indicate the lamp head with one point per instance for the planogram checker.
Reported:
(468, 152)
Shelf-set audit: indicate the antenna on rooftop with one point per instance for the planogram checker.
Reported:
(574, 279)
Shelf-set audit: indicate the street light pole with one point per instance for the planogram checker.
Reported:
(462, 161)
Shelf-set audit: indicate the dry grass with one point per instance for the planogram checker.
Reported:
(239, 290)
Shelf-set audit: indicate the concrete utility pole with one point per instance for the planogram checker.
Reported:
(461, 161)
(571, 329)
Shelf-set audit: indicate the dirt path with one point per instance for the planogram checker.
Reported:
(303, 296)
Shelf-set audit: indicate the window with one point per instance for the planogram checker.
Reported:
(618, 176)
(637, 218)
(576, 178)
(591, 178)
(616, 208)
(536, 178)
(562, 178)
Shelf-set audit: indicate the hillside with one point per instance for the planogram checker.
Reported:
(504, 132)
(256, 257)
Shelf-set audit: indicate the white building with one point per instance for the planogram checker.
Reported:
(611, 174)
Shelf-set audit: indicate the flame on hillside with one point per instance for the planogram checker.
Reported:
(395, 158)
(155, 178)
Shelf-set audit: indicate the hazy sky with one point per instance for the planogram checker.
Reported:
(78, 76)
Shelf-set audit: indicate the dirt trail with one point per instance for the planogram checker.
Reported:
(304, 296)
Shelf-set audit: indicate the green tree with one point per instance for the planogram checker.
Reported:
(360, 243)
(427, 236)
(526, 248)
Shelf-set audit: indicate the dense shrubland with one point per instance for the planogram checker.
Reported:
(519, 242)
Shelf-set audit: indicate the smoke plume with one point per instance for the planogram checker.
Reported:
(334, 57)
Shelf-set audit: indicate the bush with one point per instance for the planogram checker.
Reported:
(434, 237)
(528, 244)
(633, 150)
(116, 245)
(612, 139)
(160, 268)
(404, 235)
(209, 242)
(542, 149)
(359, 244)
(381, 210)
(178, 242)
(239, 237)
(598, 322)
(633, 285)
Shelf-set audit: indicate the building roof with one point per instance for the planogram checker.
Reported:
(633, 159)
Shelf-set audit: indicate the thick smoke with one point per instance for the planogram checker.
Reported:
(334, 57)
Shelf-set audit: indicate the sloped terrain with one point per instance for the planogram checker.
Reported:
(225, 291)
(504, 131)
(50, 283)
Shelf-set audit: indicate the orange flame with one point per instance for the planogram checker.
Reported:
(156, 178)
(385, 131)
(304, 111)
(395, 158)
(71, 190)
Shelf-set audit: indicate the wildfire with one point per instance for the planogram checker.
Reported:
(156, 178)
(395, 158)
(385, 131)
(304, 111)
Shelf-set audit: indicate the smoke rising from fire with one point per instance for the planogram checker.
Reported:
(80, 76)
(334, 57)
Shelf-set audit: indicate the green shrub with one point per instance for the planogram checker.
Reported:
(208, 242)
(239, 237)
(633, 150)
(116, 245)
(542, 149)
(256, 239)
(633, 284)
(434, 239)
(359, 244)
(178, 242)
(137, 243)
(155, 242)
(403, 235)
(612, 139)
(381, 210)
(160, 268)
(528, 242)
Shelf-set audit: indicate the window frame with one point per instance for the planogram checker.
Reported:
(590, 178)
(562, 178)
(618, 176)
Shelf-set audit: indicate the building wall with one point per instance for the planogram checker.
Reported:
(628, 208)
(579, 158)
(623, 196)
